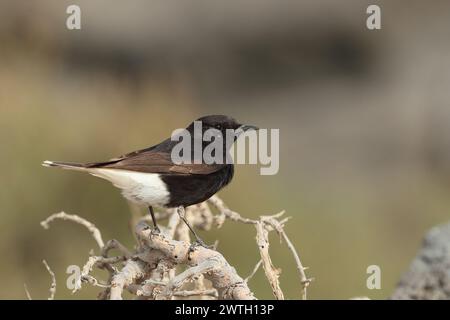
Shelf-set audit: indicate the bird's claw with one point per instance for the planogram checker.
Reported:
(156, 230)
(199, 242)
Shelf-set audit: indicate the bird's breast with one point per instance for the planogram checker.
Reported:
(186, 190)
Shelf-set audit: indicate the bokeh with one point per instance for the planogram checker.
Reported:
(363, 116)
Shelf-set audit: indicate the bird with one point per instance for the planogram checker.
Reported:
(149, 177)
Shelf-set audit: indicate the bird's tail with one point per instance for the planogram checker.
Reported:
(65, 165)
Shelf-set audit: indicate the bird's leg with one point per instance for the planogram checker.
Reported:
(198, 241)
(156, 229)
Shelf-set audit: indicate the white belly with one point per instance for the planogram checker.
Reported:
(141, 188)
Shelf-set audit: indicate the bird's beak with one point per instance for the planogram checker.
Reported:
(246, 127)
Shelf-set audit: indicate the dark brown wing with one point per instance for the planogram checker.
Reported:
(157, 162)
(164, 146)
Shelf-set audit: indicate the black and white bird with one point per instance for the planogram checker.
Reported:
(150, 178)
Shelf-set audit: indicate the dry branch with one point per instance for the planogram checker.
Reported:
(72, 217)
(27, 292)
(279, 228)
(255, 269)
(201, 260)
(153, 269)
(132, 271)
(206, 292)
(272, 274)
(166, 265)
(53, 285)
(263, 226)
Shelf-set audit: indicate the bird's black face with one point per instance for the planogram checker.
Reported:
(222, 123)
(218, 122)
(216, 128)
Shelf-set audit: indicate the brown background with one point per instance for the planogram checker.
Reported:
(363, 118)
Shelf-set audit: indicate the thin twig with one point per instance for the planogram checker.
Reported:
(278, 226)
(89, 265)
(73, 217)
(53, 285)
(255, 269)
(114, 244)
(27, 292)
(190, 293)
(304, 280)
(227, 213)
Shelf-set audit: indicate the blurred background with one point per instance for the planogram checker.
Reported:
(363, 116)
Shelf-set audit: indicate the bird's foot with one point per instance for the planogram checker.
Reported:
(199, 242)
(156, 230)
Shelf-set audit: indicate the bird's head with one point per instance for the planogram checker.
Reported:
(222, 123)
(216, 128)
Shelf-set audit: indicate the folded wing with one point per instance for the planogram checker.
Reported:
(156, 162)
